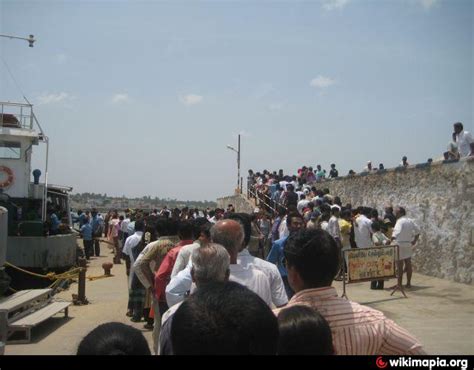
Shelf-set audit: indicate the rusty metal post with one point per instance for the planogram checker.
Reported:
(81, 290)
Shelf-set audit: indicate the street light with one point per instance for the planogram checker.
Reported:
(30, 39)
(238, 161)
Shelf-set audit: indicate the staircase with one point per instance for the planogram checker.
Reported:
(24, 310)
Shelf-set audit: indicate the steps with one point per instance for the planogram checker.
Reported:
(26, 309)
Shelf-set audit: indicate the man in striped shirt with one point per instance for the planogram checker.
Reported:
(312, 262)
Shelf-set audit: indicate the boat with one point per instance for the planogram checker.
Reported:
(31, 243)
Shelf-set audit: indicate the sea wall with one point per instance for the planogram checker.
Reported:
(439, 197)
(240, 203)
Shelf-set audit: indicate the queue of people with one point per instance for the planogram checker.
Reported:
(191, 279)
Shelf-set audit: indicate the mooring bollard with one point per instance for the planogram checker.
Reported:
(81, 299)
(107, 266)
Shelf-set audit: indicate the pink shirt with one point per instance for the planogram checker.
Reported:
(357, 329)
(114, 228)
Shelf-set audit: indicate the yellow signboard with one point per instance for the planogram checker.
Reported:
(377, 263)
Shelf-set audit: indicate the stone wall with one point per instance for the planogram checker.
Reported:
(240, 203)
(440, 198)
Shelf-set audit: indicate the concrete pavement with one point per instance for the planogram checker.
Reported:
(438, 312)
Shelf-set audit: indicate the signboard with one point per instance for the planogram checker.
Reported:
(367, 264)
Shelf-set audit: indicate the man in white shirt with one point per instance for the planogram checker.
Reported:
(362, 229)
(132, 242)
(463, 139)
(230, 235)
(124, 228)
(210, 263)
(303, 203)
(333, 225)
(283, 229)
(405, 234)
(283, 185)
(369, 167)
(246, 260)
(183, 258)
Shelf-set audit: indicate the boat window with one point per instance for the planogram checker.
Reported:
(10, 150)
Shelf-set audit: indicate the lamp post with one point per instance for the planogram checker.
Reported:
(30, 39)
(238, 162)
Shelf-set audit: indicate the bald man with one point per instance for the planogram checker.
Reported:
(230, 234)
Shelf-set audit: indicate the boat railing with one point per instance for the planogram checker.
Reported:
(16, 115)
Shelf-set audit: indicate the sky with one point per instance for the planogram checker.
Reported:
(143, 97)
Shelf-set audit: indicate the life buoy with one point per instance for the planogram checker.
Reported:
(7, 183)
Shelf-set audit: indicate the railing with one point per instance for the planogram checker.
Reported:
(263, 199)
(16, 115)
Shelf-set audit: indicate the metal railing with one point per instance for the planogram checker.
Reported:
(264, 199)
(16, 115)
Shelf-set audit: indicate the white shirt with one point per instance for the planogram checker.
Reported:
(324, 225)
(131, 228)
(283, 229)
(250, 277)
(302, 204)
(283, 185)
(124, 225)
(405, 230)
(464, 139)
(253, 279)
(380, 239)
(278, 293)
(179, 286)
(130, 243)
(184, 256)
(333, 228)
(362, 232)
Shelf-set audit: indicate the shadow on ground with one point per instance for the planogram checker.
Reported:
(48, 327)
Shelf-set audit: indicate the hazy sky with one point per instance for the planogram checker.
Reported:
(142, 97)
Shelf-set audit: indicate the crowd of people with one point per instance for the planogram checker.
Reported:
(273, 184)
(222, 282)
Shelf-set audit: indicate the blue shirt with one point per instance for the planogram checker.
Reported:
(131, 228)
(86, 231)
(82, 219)
(54, 222)
(273, 189)
(275, 233)
(277, 257)
(95, 223)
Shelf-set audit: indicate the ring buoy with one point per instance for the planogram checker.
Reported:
(7, 183)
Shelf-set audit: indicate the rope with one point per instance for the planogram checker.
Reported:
(14, 79)
(49, 275)
(58, 278)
